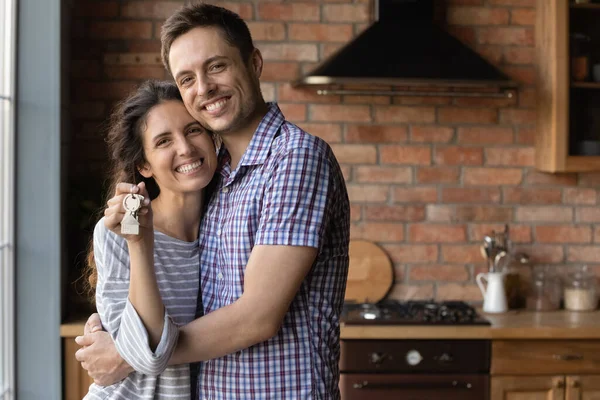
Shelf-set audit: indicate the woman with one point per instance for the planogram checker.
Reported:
(147, 284)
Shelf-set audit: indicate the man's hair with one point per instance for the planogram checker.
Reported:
(232, 27)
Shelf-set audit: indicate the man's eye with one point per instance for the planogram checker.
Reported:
(185, 80)
(195, 131)
(217, 67)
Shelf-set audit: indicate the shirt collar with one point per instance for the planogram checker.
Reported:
(260, 145)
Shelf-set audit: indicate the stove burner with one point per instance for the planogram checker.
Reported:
(412, 312)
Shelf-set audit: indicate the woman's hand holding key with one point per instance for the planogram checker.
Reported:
(129, 211)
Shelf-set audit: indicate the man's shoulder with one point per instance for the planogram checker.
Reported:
(292, 137)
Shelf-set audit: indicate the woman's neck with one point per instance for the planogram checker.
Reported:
(178, 215)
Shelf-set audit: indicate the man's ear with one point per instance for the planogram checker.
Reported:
(256, 60)
(144, 170)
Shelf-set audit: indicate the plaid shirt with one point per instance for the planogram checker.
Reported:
(287, 190)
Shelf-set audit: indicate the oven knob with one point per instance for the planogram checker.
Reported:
(413, 357)
(378, 358)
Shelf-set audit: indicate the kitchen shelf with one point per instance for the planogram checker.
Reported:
(585, 85)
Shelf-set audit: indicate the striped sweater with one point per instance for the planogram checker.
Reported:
(176, 266)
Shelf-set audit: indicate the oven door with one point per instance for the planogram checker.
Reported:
(414, 387)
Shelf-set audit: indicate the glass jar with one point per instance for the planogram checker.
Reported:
(545, 290)
(580, 291)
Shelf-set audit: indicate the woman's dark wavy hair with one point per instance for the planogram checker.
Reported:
(125, 147)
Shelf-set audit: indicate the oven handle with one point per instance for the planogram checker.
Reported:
(414, 385)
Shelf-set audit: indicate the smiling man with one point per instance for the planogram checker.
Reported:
(274, 237)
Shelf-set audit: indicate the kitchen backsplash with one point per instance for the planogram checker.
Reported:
(427, 177)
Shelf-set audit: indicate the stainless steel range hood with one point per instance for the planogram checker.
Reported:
(404, 50)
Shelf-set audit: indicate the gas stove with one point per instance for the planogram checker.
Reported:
(392, 312)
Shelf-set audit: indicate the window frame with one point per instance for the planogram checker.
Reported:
(8, 21)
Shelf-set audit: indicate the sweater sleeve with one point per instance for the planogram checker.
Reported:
(118, 315)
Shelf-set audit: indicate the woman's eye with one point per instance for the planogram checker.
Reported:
(162, 142)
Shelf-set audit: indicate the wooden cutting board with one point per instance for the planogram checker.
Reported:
(370, 273)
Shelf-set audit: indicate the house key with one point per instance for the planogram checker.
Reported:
(130, 225)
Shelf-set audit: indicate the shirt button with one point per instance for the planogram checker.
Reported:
(225, 189)
(220, 275)
(219, 232)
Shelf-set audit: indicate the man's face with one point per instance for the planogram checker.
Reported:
(218, 87)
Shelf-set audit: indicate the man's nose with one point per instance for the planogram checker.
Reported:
(205, 86)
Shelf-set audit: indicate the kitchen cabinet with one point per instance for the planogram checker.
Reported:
(568, 125)
(545, 369)
(76, 379)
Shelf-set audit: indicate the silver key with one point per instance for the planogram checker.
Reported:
(130, 225)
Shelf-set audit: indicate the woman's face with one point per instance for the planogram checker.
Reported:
(180, 153)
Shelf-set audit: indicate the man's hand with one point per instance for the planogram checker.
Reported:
(99, 355)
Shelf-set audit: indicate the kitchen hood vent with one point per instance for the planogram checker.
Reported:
(404, 52)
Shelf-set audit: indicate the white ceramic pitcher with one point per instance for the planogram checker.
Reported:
(494, 297)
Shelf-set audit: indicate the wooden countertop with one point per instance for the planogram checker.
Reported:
(515, 324)
(511, 325)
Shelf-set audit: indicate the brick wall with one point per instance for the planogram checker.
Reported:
(427, 177)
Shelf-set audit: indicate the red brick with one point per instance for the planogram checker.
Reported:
(465, 34)
(518, 233)
(543, 178)
(459, 292)
(420, 100)
(320, 32)
(455, 155)
(293, 112)
(366, 99)
(485, 135)
(510, 156)
(368, 193)
(596, 234)
(454, 115)
(355, 153)
(379, 232)
(492, 53)
(149, 9)
(268, 91)
(563, 234)
(470, 195)
(587, 214)
(342, 113)
(412, 253)
(519, 55)
(521, 74)
(507, 36)
(522, 17)
(415, 195)
(290, 94)
(440, 213)
(375, 134)
(145, 46)
(477, 16)
(540, 253)
(355, 212)
(532, 196)
(431, 134)
(589, 179)
(583, 254)
(104, 90)
(492, 176)
(347, 172)
(485, 101)
(526, 136)
(405, 292)
(105, 9)
(544, 214)
(467, 254)
(438, 272)
(134, 72)
(438, 175)
(527, 98)
(289, 52)
(346, 13)
(121, 30)
(331, 133)
(483, 214)
(436, 233)
(580, 196)
(267, 31)
(401, 114)
(414, 155)
(515, 3)
(383, 174)
(280, 71)
(327, 49)
(395, 213)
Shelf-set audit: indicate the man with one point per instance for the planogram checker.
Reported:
(274, 237)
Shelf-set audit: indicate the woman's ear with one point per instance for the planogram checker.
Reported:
(144, 170)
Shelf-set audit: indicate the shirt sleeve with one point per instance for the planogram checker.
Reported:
(118, 315)
(294, 209)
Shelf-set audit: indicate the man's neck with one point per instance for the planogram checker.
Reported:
(236, 142)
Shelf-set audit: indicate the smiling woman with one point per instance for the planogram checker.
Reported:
(7, 63)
